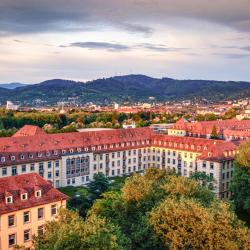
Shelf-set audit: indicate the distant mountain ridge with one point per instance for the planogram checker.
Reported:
(128, 88)
(12, 85)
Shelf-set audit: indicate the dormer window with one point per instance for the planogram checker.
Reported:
(9, 200)
(24, 196)
(71, 150)
(12, 157)
(79, 149)
(39, 154)
(22, 157)
(2, 159)
(38, 193)
(30, 156)
(48, 153)
(55, 152)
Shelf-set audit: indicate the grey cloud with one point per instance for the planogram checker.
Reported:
(122, 47)
(247, 48)
(131, 15)
(99, 45)
(232, 55)
(160, 47)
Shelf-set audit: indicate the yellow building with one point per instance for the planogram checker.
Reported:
(26, 202)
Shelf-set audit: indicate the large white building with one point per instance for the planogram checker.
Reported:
(73, 158)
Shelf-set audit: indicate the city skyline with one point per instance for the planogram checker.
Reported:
(85, 40)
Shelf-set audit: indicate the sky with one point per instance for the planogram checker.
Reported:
(89, 39)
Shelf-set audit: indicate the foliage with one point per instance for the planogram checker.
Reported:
(71, 232)
(180, 186)
(185, 224)
(240, 188)
(156, 210)
(204, 179)
(214, 134)
(243, 157)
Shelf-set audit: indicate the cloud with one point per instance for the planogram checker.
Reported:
(141, 16)
(247, 48)
(160, 47)
(122, 47)
(232, 55)
(98, 45)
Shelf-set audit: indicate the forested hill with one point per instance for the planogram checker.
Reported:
(130, 88)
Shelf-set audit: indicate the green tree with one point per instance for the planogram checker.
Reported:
(98, 185)
(240, 188)
(214, 134)
(70, 232)
(186, 224)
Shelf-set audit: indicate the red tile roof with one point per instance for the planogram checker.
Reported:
(29, 130)
(205, 127)
(15, 185)
(51, 146)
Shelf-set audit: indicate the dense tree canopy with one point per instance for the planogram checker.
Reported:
(154, 211)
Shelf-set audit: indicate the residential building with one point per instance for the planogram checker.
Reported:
(26, 202)
(73, 158)
(232, 129)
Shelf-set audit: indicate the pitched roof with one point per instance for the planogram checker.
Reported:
(29, 130)
(15, 185)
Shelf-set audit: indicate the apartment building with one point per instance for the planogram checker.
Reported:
(73, 158)
(26, 202)
(231, 129)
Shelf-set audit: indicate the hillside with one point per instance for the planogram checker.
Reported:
(131, 88)
(12, 85)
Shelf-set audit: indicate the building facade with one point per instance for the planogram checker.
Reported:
(73, 158)
(26, 202)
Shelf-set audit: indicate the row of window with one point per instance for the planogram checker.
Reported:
(12, 238)
(12, 220)
(30, 156)
(24, 169)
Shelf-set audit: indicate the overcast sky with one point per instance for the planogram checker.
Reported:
(89, 39)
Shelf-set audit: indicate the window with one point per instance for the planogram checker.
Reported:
(14, 171)
(24, 196)
(23, 168)
(57, 164)
(26, 235)
(49, 175)
(40, 230)
(12, 240)
(53, 210)
(2, 159)
(4, 171)
(9, 200)
(73, 181)
(12, 157)
(26, 217)
(211, 175)
(49, 164)
(211, 165)
(40, 213)
(11, 220)
(68, 181)
(22, 157)
(87, 178)
(32, 167)
(38, 193)
(57, 173)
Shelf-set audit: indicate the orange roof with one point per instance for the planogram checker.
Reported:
(29, 130)
(42, 146)
(16, 185)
